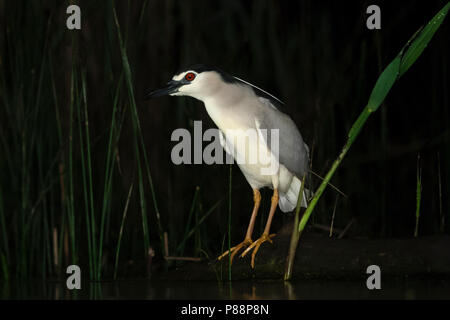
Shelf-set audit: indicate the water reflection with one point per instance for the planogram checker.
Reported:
(300, 290)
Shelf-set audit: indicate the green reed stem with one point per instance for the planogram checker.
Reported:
(200, 221)
(70, 207)
(119, 241)
(89, 222)
(113, 138)
(3, 230)
(191, 211)
(136, 131)
(418, 195)
(295, 234)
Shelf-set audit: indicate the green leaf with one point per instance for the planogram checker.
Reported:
(421, 39)
(384, 84)
(393, 71)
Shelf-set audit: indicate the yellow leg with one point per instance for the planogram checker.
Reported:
(248, 237)
(265, 236)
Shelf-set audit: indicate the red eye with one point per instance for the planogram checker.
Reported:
(190, 76)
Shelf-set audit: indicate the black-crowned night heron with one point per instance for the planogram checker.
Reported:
(238, 108)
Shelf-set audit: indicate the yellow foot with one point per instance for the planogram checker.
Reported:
(265, 237)
(235, 249)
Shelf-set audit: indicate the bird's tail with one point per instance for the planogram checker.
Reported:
(288, 201)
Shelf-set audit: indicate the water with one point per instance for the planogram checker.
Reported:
(434, 288)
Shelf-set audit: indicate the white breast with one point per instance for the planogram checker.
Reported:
(242, 139)
(231, 115)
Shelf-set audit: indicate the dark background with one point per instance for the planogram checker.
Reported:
(317, 56)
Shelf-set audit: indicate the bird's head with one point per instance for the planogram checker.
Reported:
(197, 81)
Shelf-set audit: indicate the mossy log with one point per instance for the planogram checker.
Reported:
(319, 257)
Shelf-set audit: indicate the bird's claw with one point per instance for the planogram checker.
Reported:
(265, 237)
(236, 249)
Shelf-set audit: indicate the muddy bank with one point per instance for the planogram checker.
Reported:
(319, 257)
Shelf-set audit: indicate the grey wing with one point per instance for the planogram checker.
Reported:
(293, 152)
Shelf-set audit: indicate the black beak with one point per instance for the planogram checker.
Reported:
(172, 87)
